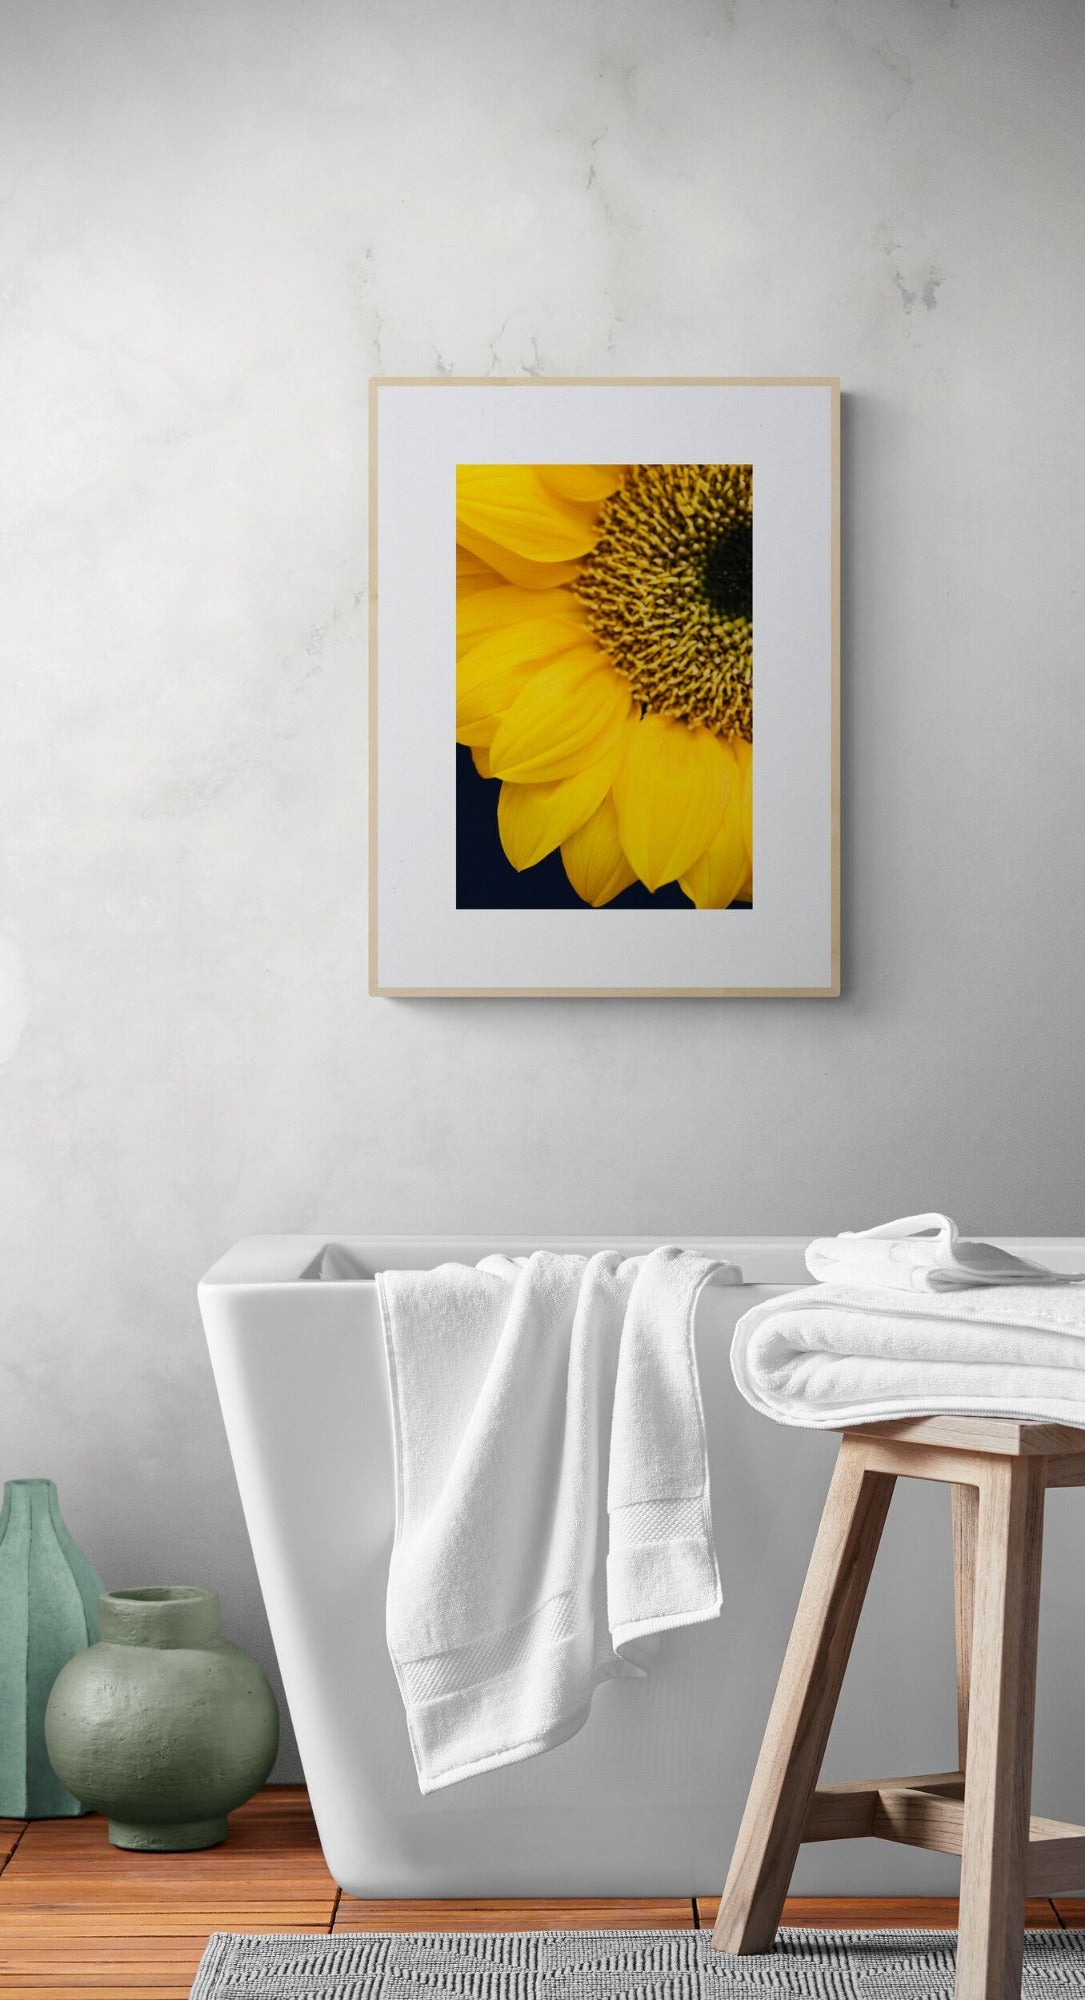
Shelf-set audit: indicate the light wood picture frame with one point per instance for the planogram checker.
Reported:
(629, 786)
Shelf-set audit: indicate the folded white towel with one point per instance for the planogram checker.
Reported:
(829, 1356)
(529, 1398)
(922, 1253)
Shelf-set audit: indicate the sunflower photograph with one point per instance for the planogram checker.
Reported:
(578, 587)
(604, 686)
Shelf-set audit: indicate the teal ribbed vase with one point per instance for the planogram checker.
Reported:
(48, 1611)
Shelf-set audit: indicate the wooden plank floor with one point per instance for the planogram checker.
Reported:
(83, 1919)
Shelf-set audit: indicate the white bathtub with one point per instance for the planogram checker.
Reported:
(646, 1799)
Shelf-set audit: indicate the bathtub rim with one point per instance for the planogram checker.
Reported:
(282, 1261)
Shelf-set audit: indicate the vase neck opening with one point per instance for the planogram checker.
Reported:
(160, 1615)
(32, 1501)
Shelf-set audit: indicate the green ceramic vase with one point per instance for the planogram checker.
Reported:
(164, 1726)
(48, 1611)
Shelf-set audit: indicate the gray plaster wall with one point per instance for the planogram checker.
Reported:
(218, 219)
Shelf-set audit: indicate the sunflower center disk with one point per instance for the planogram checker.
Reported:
(668, 591)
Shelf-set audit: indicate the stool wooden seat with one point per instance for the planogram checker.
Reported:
(999, 1473)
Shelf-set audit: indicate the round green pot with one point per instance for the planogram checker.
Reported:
(164, 1727)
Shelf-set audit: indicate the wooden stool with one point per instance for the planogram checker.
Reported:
(998, 1473)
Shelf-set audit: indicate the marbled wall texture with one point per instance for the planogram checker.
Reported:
(218, 219)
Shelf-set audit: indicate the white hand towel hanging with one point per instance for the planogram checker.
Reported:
(552, 1505)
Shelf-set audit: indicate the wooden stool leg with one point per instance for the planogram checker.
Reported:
(965, 1502)
(804, 1705)
(998, 1780)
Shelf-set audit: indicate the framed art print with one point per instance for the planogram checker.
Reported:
(605, 638)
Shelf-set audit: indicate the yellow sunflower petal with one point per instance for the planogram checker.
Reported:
(512, 506)
(671, 793)
(472, 573)
(534, 819)
(483, 610)
(744, 756)
(495, 671)
(593, 857)
(715, 878)
(571, 712)
(514, 568)
(480, 758)
(583, 482)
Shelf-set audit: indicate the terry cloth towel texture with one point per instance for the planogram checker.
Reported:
(833, 1355)
(552, 1509)
(922, 1253)
(613, 1965)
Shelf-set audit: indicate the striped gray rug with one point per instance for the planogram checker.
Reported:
(613, 1965)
